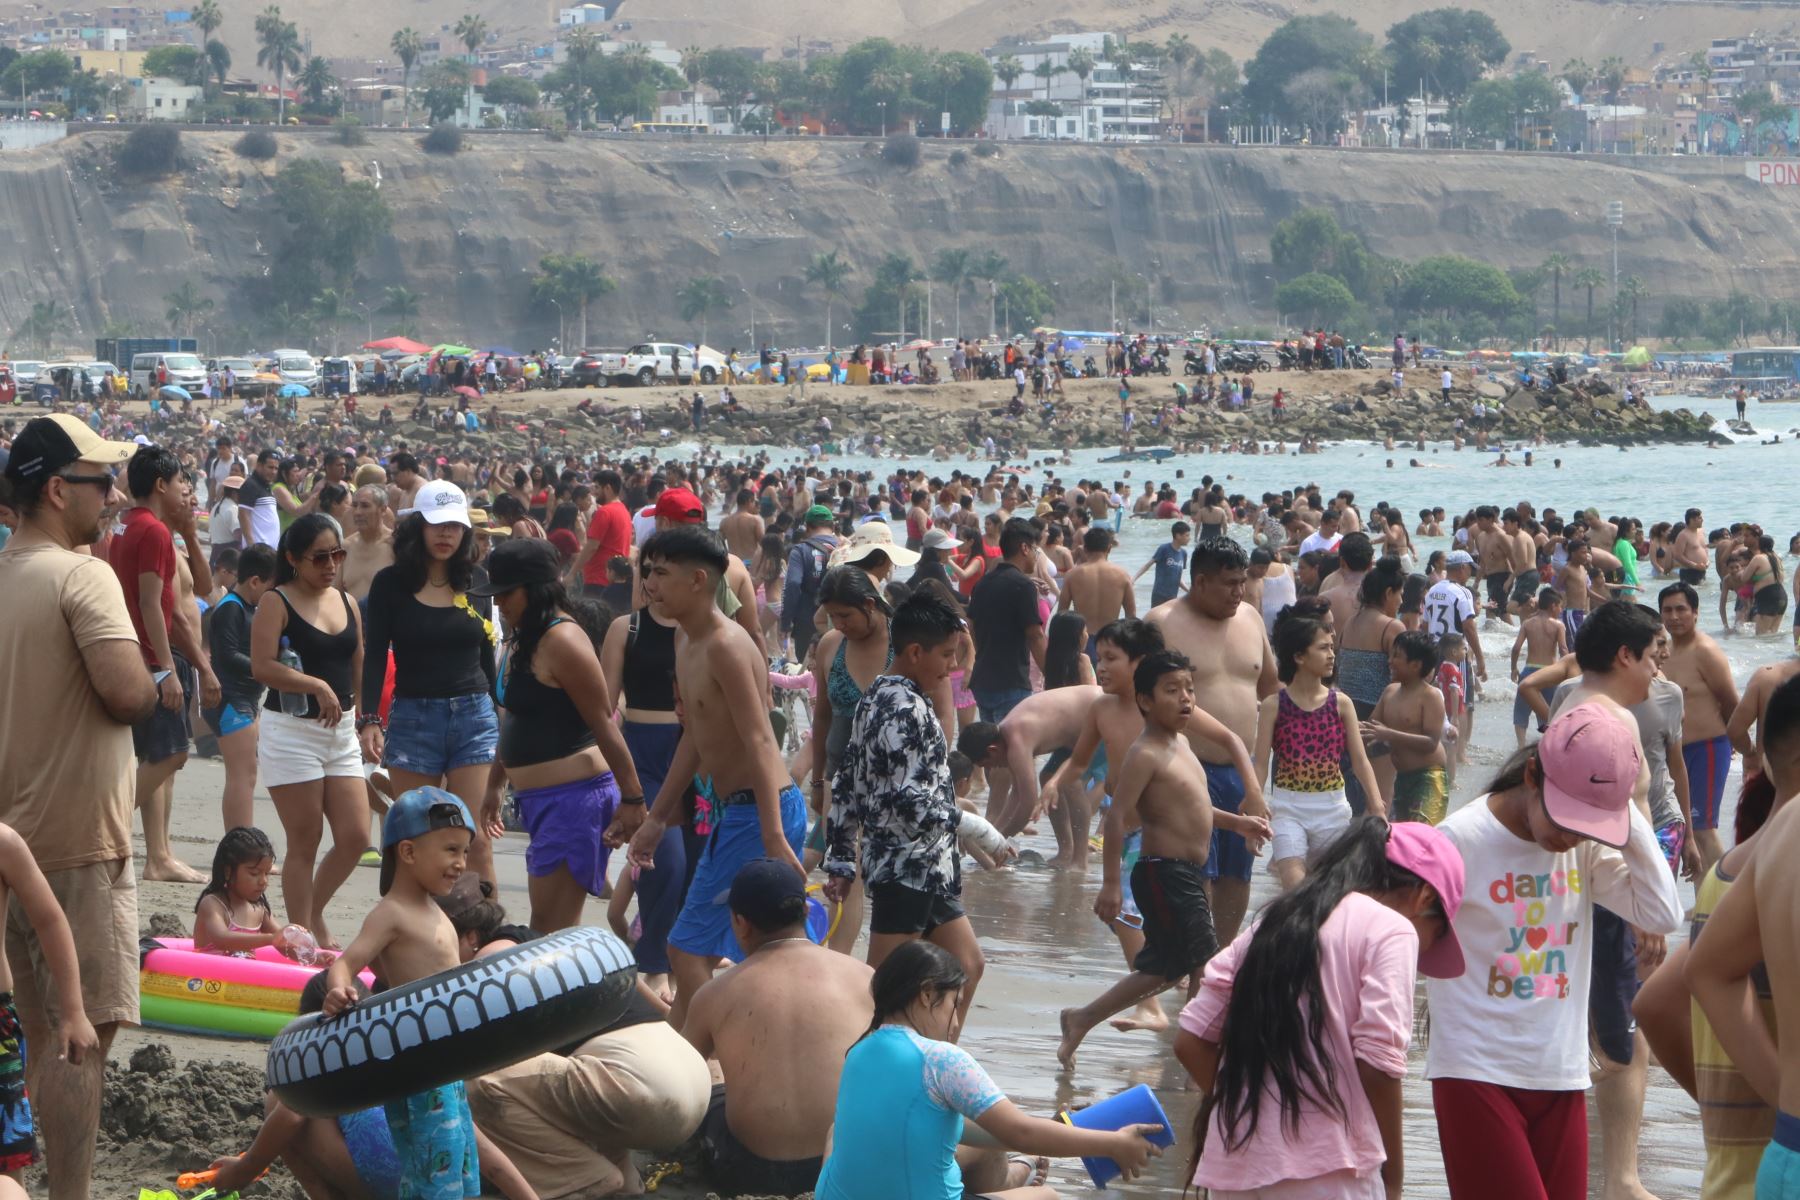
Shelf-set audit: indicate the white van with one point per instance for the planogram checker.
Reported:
(184, 371)
(296, 366)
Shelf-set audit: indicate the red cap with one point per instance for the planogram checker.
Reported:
(681, 506)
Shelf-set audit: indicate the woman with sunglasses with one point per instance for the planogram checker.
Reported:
(307, 753)
(1297, 1038)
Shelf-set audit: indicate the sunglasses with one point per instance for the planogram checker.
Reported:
(106, 481)
(321, 557)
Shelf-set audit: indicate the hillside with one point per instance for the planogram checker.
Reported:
(468, 231)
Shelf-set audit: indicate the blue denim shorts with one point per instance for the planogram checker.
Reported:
(435, 737)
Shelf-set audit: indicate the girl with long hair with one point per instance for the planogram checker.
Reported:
(233, 915)
(1297, 1038)
(1065, 664)
(1304, 732)
(306, 647)
(906, 1090)
(559, 748)
(1362, 657)
(441, 728)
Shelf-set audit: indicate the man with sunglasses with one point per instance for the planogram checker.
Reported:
(67, 772)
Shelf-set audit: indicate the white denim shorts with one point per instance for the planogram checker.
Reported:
(1305, 822)
(298, 750)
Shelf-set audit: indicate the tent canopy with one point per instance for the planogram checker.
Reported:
(402, 344)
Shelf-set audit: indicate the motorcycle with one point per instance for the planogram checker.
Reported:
(1355, 357)
(1286, 357)
(1192, 364)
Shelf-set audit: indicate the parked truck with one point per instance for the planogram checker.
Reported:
(651, 363)
(123, 350)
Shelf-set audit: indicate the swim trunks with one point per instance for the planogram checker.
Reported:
(1523, 717)
(1421, 795)
(1178, 926)
(1230, 857)
(737, 1170)
(18, 1137)
(1673, 839)
(1693, 576)
(434, 1139)
(704, 926)
(1496, 588)
(1129, 916)
(371, 1149)
(1615, 985)
(896, 908)
(1708, 763)
(1525, 587)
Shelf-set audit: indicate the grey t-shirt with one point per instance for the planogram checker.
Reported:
(1659, 724)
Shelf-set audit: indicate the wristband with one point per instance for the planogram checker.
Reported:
(368, 719)
(635, 801)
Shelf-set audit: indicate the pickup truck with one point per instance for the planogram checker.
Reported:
(650, 363)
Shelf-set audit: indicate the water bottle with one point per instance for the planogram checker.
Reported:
(294, 704)
(302, 944)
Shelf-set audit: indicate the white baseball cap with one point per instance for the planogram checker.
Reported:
(440, 501)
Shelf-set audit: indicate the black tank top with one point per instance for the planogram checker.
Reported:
(541, 723)
(649, 673)
(323, 655)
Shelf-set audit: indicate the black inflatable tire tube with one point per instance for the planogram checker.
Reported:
(458, 1024)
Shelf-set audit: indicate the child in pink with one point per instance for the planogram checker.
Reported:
(1297, 1038)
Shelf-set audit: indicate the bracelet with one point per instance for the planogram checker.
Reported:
(632, 800)
(368, 719)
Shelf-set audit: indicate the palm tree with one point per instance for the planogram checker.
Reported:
(1180, 52)
(829, 272)
(471, 30)
(990, 268)
(402, 304)
(407, 45)
(1554, 266)
(691, 70)
(1578, 75)
(1631, 290)
(699, 296)
(1081, 63)
(41, 326)
(571, 279)
(1610, 75)
(218, 60)
(280, 52)
(952, 267)
(1590, 278)
(316, 79)
(1007, 70)
(206, 17)
(185, 306)
(1047, 71)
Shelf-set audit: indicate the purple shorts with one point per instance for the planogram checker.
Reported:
(566, 823)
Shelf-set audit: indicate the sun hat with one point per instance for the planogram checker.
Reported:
(1591, 763)
(231, 481)
(870, 538)
(937, 539)
(440, 501)
(48, 444)
(1428, 853)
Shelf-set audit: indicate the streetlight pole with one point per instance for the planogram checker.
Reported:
(1615, 217)
(882, 105)
(560, 331)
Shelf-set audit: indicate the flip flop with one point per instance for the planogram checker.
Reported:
(657, 1172)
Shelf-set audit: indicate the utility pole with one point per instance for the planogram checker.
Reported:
(1114, 309)
(1615, 217)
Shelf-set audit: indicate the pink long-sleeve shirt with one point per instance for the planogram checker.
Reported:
(1368, 963)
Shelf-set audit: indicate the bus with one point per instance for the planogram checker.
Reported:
(1767, 362)
(670, 127)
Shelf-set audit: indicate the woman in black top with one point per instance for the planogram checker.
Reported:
(306, 648)
(441, 728)
(566, 760)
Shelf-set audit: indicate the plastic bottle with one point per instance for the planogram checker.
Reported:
(294, 704)
(301, 943)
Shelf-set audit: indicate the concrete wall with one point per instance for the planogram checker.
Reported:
(21, 135)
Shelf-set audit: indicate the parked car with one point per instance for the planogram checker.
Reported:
(586, 370)
(25, 371)
(650, 363)
(249, 379)
(338, 376)
(296, 366)
(100, 371)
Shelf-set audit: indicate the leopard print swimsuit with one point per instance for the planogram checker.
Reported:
(1309, 746)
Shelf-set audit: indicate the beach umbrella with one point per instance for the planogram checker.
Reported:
(171, 392)
(291, 390)
(468, 391)
(402, 344)
(501, 351)
(454, 351)
(920, 344)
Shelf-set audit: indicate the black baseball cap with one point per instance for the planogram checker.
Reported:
(48, 444)
(518, 562)
(769, 894)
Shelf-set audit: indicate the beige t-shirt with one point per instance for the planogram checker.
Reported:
(66, 767)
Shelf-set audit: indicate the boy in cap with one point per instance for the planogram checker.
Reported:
(406, 936)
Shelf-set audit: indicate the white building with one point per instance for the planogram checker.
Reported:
(159, 99)
(583, 14)
(1112, 105)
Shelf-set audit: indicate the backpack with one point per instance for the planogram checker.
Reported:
(812, 573)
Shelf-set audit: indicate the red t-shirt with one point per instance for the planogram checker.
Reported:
(611, 529)
(146, 547)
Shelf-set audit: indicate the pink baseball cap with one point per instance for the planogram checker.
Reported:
(1427, 853)
(1591, 763)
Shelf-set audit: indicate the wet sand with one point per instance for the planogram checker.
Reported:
(1045, 951)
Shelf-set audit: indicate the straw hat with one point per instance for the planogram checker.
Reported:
(866, 540)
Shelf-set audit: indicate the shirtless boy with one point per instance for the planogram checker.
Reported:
(1163, 786)
(1698, 664)
(1545, 639)
(1409, 720)
(720, 681)
(406, 936)
(1574, 585)
(743, 529)
(1045, 723)
(1099, 589)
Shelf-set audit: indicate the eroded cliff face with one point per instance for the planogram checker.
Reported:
(469, 230)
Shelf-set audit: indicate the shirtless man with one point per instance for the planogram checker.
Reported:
(1690, 551)
(1343, 587)
(1697, 663)
(1099, 589)
(779, 1024)
(1489, 545)
(405, 482)
(1044, 723)
(1753, 707)
(743, 529)
(1523, 579)
(160, 863)
(1233, 669)
(1163, 787)
(1575, 587)
(370, 546)
(721, 684)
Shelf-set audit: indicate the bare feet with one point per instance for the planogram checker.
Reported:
(1024, 1172)
(1071, 1037)
(1147, 1015)
(171, 871)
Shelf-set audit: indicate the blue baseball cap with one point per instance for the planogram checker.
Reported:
(415, 814)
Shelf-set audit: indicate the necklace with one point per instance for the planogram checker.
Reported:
(778, 941)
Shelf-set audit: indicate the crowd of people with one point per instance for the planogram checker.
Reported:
(461, 647)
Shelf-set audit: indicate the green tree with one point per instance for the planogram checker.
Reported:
(1319, 99)
(445, 85)
(693, 69)
(332, 226)
(1454, 286)
(1578, 75)
(278, 43)
(1591, 279)
(1327, 43)
(1007, 70)
(571, 279)
(316, 80)
(1317, 298)
(702, 296)
(1081, 65)
(331, 308)
(471, 31)
(39, 71)
(218, 61)
(1555, 266)
(1181, 54)
(45, 321)
(829, 273)
(206, 17)
(402, 304)
(1449, 48)
(1047, 71)
(86, 92)
(1682, 319)
(732, 76)
(171, 62)
(185, 306)
(571, 82)
(1311, 240)
(407, 45)
(952, 267)
(1026, 302)
(890, 288)
(1487, 111)
(963, 82)
(513, 92)
(990, 268)
(1730, 321)
(1631, 290)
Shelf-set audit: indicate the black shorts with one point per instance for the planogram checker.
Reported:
(1770, 600)
(1178, 925)
(1057, 758)
(1693, 576)
(164, 734)
(1496, 587)
(1525, 587)
(896, 908)
(737, 1170)
(1613, 975)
